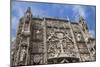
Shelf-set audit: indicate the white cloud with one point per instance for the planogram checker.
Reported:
(92, 33)
(78, 11)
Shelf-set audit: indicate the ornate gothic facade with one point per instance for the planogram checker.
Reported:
(51, 41)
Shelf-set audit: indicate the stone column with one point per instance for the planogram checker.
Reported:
(28, 42)
(75, 44)
(85, 36)
(44, 40)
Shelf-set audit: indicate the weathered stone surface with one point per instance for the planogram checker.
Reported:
(50, 40)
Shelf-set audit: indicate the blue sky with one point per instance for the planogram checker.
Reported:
(53, 10)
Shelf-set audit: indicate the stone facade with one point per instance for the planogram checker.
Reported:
(51, 41)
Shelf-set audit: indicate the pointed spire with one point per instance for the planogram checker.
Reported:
(28, 10)
(81, 18)
(28, 13)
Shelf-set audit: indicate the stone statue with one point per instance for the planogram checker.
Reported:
(22, 54)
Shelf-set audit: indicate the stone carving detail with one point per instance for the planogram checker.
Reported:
(37, 59)
(59, 44)
(78, 37)
(50, 40)
(22, 54)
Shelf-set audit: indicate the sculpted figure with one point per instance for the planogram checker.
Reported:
(22, 54)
